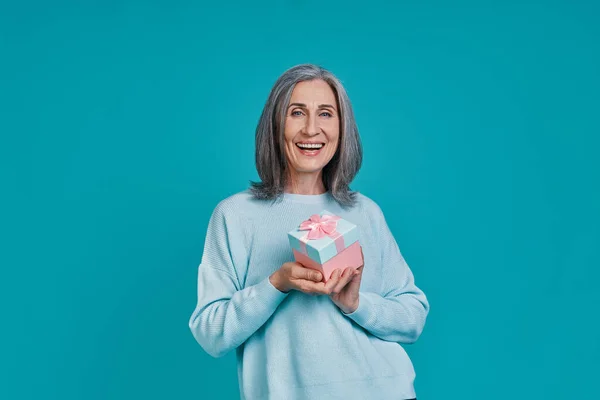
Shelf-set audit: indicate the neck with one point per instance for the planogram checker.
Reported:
(305, 183)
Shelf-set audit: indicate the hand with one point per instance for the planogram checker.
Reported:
(345, 292)
(295, 276)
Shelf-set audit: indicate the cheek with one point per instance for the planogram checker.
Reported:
(334, 141)
(287, 137)
(332, 151)
(291, 129)
(333, 131)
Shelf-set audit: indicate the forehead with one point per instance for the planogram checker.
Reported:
(313, 91)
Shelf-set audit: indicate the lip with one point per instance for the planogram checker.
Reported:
(310, 153)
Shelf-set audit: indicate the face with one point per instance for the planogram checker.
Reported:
(312, 127)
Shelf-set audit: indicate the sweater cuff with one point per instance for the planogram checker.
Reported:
(363, 313)
(270, 294)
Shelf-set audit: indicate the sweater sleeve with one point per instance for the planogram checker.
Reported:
(398, 313)
(227, 314)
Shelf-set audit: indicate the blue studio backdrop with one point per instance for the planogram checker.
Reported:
(123, 124)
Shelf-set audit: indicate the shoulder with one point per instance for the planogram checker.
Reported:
(374, 214)
(232, 205)
(239, 206)
(368, 206)
(234, 201)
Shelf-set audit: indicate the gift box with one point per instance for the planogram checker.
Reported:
(326, 242)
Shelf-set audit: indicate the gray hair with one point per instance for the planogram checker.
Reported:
(271, 162)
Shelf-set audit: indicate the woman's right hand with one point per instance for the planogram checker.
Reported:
(295, 276)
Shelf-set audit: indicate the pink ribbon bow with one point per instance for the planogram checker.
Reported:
(320, 227)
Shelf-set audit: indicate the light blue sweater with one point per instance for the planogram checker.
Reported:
(295, 345)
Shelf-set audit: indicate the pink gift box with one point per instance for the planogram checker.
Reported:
(326, 242)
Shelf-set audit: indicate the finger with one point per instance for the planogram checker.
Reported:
(362, 257)
(352, 273)
(303, 285)
(357, 274)
(346, 276)
(311, 287)
(342, 281)
(333, 280)
(301, 272)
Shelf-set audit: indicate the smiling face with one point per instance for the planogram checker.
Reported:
(312, 127)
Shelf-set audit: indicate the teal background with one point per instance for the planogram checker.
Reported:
(124, 123)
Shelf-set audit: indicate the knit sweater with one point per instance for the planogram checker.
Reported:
(295, 345)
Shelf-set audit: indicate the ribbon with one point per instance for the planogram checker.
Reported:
(318, 227)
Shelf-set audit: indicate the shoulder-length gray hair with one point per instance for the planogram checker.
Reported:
(271, 161)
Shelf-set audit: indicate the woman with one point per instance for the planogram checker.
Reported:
(295, 336)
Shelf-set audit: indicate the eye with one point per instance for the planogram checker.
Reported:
(327, 114)
(296, 113)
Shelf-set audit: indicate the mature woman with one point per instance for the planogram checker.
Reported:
(297, 336)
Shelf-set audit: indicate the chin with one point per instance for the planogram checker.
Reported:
(310, 168)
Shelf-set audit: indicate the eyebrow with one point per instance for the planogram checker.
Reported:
(304, 105)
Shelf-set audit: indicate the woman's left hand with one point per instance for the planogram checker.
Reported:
(345, 288)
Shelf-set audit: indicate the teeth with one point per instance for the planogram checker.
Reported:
(310, 145)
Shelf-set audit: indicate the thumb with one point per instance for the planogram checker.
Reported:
(316, 276)
(310, 274)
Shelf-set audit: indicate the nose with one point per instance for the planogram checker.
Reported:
(311, 128)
